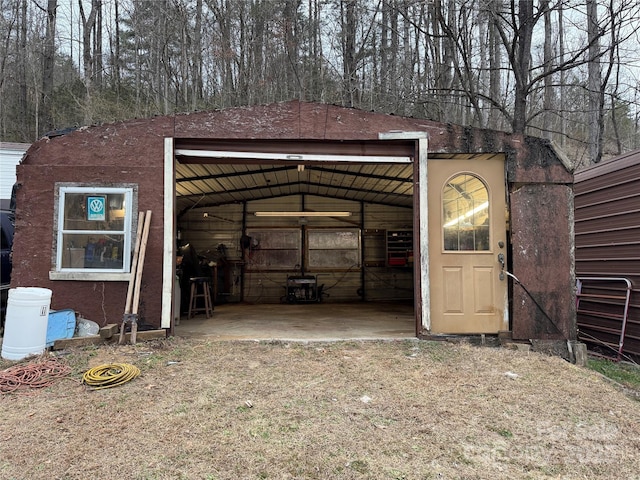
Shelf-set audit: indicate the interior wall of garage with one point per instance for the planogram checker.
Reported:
(216, 234)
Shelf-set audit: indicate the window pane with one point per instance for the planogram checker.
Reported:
(277, 249)
(281, 259)
(92, 251)
(334, 258)
(78, 213)
(333, 248)
(465, 206)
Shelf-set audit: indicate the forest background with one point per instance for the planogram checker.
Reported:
(566, 70)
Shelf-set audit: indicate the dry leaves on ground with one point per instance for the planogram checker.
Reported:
(345, 410)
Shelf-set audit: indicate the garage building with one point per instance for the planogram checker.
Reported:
(302, 203)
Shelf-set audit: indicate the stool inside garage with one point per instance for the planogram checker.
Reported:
(200, 289)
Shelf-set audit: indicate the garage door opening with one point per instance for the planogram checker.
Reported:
(299, 239)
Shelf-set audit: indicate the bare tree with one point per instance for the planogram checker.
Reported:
(88, 25)
(45, 114)
(488, 63)
(549, 92)
(89, 53)
(561, 88)
(495, 68)
(349, 63)
(594, 82)
(116, 60)
(196, 65)
(520, 58)
(97, 44)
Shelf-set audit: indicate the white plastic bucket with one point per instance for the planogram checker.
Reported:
(25, 329)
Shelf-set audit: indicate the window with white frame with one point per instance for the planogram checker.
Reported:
(94, 229)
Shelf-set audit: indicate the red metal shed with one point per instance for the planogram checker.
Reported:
(501, 204)
(607, 230)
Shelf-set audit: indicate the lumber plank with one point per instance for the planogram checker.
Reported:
(132, 278)
(134, 263)
(149, 334)
(144, 335)
(109, 330)
(77, 342)
(140, 268)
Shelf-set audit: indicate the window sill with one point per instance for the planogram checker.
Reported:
(90, 276)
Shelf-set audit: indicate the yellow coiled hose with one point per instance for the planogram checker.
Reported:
(110, 375)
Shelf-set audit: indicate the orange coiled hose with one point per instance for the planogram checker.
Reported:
(39, 373)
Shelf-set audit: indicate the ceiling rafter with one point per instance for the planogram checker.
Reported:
(302, 183)
(220, 204)
(215, 172)
(263, 171)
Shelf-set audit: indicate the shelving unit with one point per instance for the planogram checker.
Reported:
(399, 248)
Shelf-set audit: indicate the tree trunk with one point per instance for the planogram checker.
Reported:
(22, 72)
(290, 17)
(349, 24)
(196, 66)
(594, 82)
(97, 45)
(394, 55)
(383, 52)
(549, 97)
(88, 24)
(561, 89)
(46, 119)
(88, 28)
(495, 65)
(117, 62)
(521, 65)
(314, 90)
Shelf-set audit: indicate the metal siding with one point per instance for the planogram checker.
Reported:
(607, 216)
(543, 262)
(10, 156)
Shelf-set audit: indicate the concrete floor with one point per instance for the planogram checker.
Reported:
(314, 322)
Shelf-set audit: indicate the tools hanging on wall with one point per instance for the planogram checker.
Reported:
(133, 292)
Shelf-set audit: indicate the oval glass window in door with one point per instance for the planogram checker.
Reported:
(465, 214)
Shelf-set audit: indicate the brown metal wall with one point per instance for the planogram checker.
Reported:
(607, 232)
(102, 156)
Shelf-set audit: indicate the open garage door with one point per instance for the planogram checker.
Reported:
(338, 213)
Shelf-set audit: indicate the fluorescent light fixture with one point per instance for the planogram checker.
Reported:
(302, 214)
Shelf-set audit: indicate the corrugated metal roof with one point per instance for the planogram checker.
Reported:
(612, 165)
(217, 180)
(19, 147)
(210, 185)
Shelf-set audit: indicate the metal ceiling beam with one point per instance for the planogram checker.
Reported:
(220, 204)
(387, 148)
(311, 168)
(234, 174)
(196, 156)
(361, 174)
(291, 184)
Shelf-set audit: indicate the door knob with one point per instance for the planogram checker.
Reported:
(501, 261)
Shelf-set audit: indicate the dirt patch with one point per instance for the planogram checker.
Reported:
(365, 410)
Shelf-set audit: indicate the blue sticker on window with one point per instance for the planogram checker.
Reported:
(96, 208)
